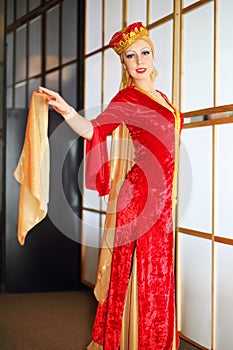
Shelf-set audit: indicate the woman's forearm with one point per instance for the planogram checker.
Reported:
(78, 123)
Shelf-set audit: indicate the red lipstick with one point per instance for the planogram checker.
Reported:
(141, 70)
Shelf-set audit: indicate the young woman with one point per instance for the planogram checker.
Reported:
(135, 282)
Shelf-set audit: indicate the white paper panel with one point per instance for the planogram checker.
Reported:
(103, 217)
(137, 11)
(185, 183)
(160, 9)
(198, 145)
(33, 4)
(189, 2)
(69, 25)
(194, 275)
(91, 229)
(33, 86)
(69, 84)
(20, 54)
(224, 295)
(91, 199)
(112, 77)
(113, 19)
(10, 50)
(198, 58)
(51, 80)
(90, 265)
(90, 242)
(34, 66)
(93, 39)
(52, 38)
(225, 52)
(162, 37)
(104, 202)
(224, 183)
(9, 98)
(21, 8)
(10, 7)
(93, 86)
(20, 95)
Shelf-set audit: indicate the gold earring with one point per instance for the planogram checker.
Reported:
(154, 74)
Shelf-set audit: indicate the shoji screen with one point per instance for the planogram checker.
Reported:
(194, 251)
(205, 227)
(205, 232)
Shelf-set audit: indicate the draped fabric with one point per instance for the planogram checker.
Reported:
(32, 171)
(143, 225)
(121, 160)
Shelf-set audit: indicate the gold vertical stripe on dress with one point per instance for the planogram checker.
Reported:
(174, 191)
(129, 332)
(177, 138)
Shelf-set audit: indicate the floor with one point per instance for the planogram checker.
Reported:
(49, 321)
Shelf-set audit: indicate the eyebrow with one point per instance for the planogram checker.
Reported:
(146, 47)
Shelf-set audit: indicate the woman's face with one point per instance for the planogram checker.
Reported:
(138, 60)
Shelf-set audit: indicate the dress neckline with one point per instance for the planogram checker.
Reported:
(172, 109)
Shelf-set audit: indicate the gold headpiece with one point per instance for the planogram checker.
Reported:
(121, 40)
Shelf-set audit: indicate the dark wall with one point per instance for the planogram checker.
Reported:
(50, 259)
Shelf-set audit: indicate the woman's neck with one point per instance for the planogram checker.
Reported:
(146, 86)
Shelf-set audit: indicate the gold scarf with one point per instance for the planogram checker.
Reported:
(32, 171)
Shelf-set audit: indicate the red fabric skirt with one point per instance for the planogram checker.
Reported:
(148, 234)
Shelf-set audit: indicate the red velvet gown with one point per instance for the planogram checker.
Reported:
(144, 224)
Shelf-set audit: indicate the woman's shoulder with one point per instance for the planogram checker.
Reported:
(126, 95)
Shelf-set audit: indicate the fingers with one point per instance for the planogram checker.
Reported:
(48, 92)
(52, 96)
(55, 100)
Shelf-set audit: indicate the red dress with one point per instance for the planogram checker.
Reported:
(144, 224)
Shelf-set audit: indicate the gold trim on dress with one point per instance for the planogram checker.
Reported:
(129, 332)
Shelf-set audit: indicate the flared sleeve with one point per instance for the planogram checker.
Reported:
(97, 158)
(97, 162)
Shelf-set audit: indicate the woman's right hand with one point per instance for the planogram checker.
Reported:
(56, 101)
(80, 125)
